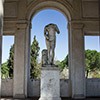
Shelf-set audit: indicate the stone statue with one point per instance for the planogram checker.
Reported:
(50, 37)
(44, 57)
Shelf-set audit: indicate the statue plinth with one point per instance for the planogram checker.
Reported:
(50, 83)
(48, 67)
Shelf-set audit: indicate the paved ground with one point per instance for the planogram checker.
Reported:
(35, 98)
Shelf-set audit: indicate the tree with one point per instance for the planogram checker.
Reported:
(35, 68)
(63, 63)
(92, 61)
(7, 68)
(10, 61)
(63, 66)
(4, 70)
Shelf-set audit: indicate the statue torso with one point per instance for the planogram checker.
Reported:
(51, 32)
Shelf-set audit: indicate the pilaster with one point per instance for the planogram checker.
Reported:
(77, 63)
(20, 66)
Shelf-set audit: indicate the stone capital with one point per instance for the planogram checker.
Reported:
(23, 24)
(77, 25)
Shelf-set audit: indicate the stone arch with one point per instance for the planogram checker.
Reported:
(63, 6)
(36, 6)
(76, 62)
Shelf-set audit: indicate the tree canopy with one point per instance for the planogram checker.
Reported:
(4, 70)
(92, 62)
(62, 64)
(35, 68)
(10, 62)
(7, 67)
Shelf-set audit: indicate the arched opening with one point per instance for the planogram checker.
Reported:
(34, 9)
(62, 39)
(37, 36)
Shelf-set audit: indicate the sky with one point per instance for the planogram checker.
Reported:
(39, 21)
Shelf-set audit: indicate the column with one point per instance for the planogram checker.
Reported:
(1, 32)
(77, 63)
(20, 66)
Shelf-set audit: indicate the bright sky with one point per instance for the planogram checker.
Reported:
(45, 17)
(39, 21)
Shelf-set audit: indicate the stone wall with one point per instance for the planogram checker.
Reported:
(7, 87)
(35, 84)
(34, 88)
(92, 88)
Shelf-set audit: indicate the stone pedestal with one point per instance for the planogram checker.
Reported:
(50, 83)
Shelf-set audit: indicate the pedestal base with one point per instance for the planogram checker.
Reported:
(78, 96)
(19, 96)
(50, 98)
(50, 83)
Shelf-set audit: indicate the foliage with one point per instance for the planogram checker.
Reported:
(64, 74)
(35, 68)
(7, 67)
(92, 61)
(63, 66)
(4, 70)
(63, 63)
(10, 61)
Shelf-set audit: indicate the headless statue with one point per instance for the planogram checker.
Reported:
(50, 37)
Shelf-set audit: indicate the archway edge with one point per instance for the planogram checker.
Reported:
(64, 7)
